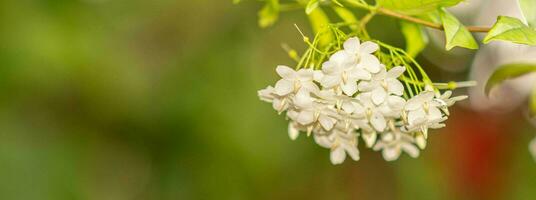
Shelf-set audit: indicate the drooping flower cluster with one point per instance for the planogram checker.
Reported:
(353, 96)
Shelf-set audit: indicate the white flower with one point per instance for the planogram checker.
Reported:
(292, 81)
(446, 101)
(384, 84)
(341, 71)
(355, 96)
(423, 112)
(341, 144)
(279, 103)
(369, 137)
(362, 54)
(393, 143)
(310, 112)
(376, 114)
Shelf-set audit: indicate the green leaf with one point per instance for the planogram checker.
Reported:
(415, 7)
(269, 13)
(508, 71)
(416, 38)
(455, 33)
(320, 21)
(512, 30)
(529, 11)
(236, 1)
(347, 16)
(312, 5)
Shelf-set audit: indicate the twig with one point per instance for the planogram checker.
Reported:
(391, 13)
(385, 11)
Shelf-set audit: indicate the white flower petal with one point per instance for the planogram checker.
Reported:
(284, 87)
(303, 99)
(396, 102)
(323, 141)
(266, 94)
(410, 150)
(420, 141)
(285, 72)
(369, 47)
(329, 81)
(350, 88)
(293, 131)
(337, 155)
(395, 72)
(305, 74)
(378, 121)
(416, 116)
(329, 67)
(305, 117)
(360, 74)
(352, 151)
(434, 114)
(352, 45)
(326, 122)
(339, 58)
(370, 63)
(378, 95)
(309, 87)
(395, 87)
(369, 138)
(391, 154)
(348, 107)
(317, 75)
(366, 86)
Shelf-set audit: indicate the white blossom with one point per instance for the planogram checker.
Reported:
(383, 84)
(342, 72)
(393, 143)
(292, 81)
(353, 96)
(361, 53)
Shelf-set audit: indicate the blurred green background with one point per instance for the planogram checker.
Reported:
(139, 99)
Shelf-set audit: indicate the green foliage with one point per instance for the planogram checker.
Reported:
(508, 71)
(320, 23)
(416, 38)
(455, 33)
(415, 7)
(512, 30)
(529, 11)
(269, 13)
(313, 4)
(347, 16)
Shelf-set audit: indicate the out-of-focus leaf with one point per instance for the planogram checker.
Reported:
(347, 16)
(529, 11)
(269, 13)
(236, 1)
(532, 104)
(508, 71)
(320, 21)
(312, 5)
(455, 33)
(337, 2)
(512, 30)
(416, 38)
(415, 7)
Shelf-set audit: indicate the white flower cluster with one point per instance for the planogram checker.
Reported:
(354, 95)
